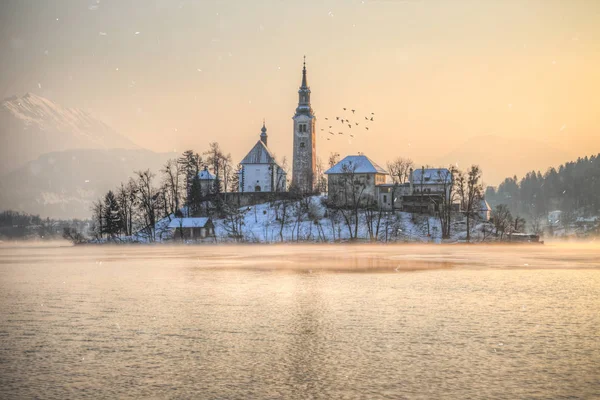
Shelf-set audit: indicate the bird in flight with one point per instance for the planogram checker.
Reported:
(351, 135)
(337, 118)
(350, 126)
(356, 123)
(367, 118)
(329, 126)
(372, 113)
(340, 133)
(331, 133)
(327, 118)
(366, 127)
(322, 129)
(344, 108)
(371, 118)
(352, 111)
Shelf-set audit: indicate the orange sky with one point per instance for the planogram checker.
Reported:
(436, 73)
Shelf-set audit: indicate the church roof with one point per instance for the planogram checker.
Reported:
(432, 176)
(259, 154)
(361, 163)
(205, 175)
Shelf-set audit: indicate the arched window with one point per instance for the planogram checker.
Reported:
(301, 145)
(257, 188)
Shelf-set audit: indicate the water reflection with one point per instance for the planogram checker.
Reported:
(299, 322)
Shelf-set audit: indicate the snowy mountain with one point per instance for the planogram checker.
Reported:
(64, 184)
(499, 157)
(32, 125)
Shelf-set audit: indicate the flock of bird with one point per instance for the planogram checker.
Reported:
(345, 126)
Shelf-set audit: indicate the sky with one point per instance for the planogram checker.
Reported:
(439, 75)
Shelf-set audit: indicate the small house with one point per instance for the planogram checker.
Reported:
(192, 228)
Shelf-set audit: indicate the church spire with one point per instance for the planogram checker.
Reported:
(263, 133)
(304, 94)
(304, 84)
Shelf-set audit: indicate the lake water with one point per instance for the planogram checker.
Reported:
(296, 322)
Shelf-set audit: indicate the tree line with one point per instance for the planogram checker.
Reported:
(135, 207)
(573, 188)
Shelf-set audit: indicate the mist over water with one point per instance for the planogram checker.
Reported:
(406, 321)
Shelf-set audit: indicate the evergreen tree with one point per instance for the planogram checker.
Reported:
(112, 215)
(195, 197)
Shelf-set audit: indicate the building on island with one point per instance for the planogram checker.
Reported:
(430, 180)
(260, 171)
(192, 228)
(207, 181)
(304, 150)
(429, 187)
(358, 179)
(354, 178)
(485, 211)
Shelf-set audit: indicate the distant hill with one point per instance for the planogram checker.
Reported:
(64, 184)
(32, 125)
(499, 156)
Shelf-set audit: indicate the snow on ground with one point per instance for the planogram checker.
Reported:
(261, 225)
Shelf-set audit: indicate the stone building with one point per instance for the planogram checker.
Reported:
(304, 151)
(355, 179)
(260, 171)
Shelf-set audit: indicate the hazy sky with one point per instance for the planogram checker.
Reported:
(179, 74)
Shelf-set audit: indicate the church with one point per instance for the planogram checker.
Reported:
(260, 171)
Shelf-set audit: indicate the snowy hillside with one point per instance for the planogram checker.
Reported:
(32, 125)
(262, 223)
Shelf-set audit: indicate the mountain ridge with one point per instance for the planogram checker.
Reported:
(32, 125)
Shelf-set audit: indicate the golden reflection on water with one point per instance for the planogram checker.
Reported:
(297, 321)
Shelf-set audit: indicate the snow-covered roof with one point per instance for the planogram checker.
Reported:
(431, 176)
(188, 222)
(357, 164)
(259, 154)
(205, 175)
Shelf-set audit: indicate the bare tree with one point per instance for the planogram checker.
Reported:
(321, 184)
(126, 199)
(502, 220)
(373, 216)
(399, 169)
(471, 192)
(233, 223)
(172, 182)
(334, 158)
(446, 178)
(148, 199)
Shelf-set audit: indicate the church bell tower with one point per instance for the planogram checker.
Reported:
(304, 155)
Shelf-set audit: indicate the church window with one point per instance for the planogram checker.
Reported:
(385, 198)
(257, 188)
(301, 145)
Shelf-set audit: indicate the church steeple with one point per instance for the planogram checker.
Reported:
(304, 95)
(263, 133)
(305, 150)
(304, 85)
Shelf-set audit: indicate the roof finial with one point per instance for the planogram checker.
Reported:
(304, 84)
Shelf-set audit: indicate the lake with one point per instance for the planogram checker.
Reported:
(296, 322)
